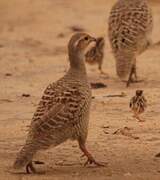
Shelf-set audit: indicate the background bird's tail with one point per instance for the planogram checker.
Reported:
(124, 63)
(24, 156)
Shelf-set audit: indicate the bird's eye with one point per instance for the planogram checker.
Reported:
(86, 38)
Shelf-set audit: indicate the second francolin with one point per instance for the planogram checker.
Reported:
(96, 54)
(130, 27)
(63, 112)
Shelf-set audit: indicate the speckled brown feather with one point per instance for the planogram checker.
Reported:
(130, 26)
(138, 104)
(63, 112)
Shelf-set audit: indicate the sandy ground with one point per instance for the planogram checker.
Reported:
(33, 38)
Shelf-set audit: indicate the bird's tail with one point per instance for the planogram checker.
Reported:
(124, 63)
(24, 156)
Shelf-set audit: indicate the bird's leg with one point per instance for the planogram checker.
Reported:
(135, 72)
(136, 80)
(30, 168)
(90, 160)
(130, 77)
(101, 71)
(138, 118)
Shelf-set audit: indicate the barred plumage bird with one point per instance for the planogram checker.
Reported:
(138, 104)
(130, 27)
(63, 112)
(96, 54)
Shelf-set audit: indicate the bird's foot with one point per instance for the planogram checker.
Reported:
(104, 74)
(136, 80)
(138, 118)
(91, 160)
(30, 168)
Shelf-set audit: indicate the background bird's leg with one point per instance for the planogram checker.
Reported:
(130, 77)
(100, 69)
(30, 167)
(135, 72)
(90, 160)
(136, 80)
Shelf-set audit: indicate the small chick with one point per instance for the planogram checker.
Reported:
(138, 104)
(63, 111)
(96, 54)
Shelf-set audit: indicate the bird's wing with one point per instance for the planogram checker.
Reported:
(63, 110)
(131, 102)
(47, 101)
(145, 102)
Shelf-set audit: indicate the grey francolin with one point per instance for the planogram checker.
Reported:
(138, 104)
(96, 54)
(130, 27)
(63, 112)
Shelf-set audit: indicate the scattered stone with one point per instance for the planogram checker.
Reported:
(105, 127)
(117, 95)
(106, 132)
(38, 162)
(126, 132)
(8, 74)
(157, 155)
(25, 95)
(98, 85)
(6, 100)
(61, 35)
(76, 28)
(60, 163)
(128, 174)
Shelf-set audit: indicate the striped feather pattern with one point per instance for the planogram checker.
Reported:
(130, 26)
(63, 111)
(138, 104)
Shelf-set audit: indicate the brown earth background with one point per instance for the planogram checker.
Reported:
(33, 39)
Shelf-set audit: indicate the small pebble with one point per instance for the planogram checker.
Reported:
(26, 95)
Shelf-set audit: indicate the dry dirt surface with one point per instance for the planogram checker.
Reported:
(33, 39)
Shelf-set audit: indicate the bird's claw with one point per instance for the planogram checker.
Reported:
(91, 160)
(30, 168)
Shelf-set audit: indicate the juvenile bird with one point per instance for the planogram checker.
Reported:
(130, 27)
(138, 104)
(63, 112)
(96, 54)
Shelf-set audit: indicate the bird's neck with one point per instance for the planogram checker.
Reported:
(77, 65)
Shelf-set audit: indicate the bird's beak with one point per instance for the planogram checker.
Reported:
(91, 44)
(92, 39)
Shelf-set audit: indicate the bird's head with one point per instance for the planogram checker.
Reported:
(96, 51)
(139, 92)
(80, 44)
